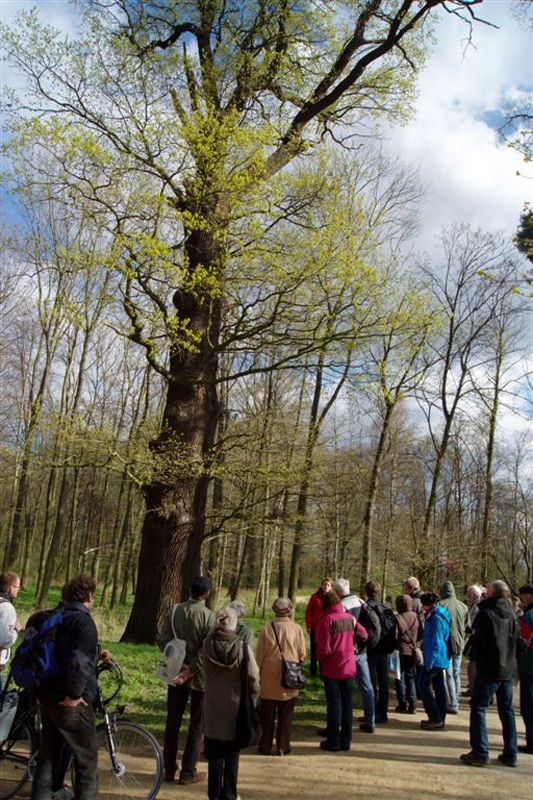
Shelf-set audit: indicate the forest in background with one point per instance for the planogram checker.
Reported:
(212, 362)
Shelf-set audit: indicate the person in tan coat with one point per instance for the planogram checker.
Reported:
(276, 701)
(222, 654)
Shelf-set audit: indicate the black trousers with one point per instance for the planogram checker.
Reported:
(177, 698)
(74, 728)
(284, 710)
(223, 769)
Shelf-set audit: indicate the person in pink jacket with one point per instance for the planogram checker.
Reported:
(337, 633)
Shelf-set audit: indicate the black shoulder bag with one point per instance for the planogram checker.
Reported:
(292, 672)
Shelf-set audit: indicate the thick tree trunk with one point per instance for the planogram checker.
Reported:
(174, 523)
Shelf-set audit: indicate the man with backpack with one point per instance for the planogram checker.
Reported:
(368, 618)
(378, 656)
(192, 622)
(9, 627)
(66, 700)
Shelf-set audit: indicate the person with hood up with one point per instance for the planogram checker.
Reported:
(222, 654)
(410, 633)
(436, 661)
(459, 616)
(494, 644)
(335, 648)
(276, 700)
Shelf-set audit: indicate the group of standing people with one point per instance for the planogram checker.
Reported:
(211, 678)
(432, 633)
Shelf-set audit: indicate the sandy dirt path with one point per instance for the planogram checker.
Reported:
(398, 761)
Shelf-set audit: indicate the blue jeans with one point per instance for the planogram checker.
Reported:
(364, 683)
(526, 706)
(482, 693)
(339, 711)
(453, 682)
(433, 693)
(406, 687)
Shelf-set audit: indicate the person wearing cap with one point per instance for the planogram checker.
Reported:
(192, 621)
(222, 654)
(525, 666)
(494, 644)
(277, 702)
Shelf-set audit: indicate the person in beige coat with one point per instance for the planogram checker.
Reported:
(222, 654)
(276, 701)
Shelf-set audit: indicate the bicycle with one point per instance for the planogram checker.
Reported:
(130, 764)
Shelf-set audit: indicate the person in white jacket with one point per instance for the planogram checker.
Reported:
(9, 627)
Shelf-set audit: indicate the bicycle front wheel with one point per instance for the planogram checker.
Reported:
(17, 759)
(130, 765)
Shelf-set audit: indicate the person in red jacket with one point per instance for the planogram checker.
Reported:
(313, 612)
(336, 634)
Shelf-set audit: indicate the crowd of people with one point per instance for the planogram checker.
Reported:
(353, 639)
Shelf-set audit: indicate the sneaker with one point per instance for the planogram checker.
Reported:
(63, 794)
(523, 748)
(431, 725)
(185, 780)
(506, 761)
(325, 746)
(452, 710)
(365, 728)
(474, 760)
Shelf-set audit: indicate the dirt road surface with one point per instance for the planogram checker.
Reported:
(398, 761)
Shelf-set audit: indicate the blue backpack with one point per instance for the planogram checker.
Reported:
(36, 660)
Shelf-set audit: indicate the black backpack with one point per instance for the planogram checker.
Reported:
(389, 628)
(367, 617)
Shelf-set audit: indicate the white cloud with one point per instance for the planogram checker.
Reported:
(470, 175)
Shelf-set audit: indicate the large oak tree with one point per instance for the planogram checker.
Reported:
(171, 118)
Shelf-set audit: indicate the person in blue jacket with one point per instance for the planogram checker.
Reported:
(432, 683)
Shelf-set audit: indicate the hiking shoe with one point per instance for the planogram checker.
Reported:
(507, 762)
(365, 728)
(325, 746)
(431, 725)
(185, 780)
(523, 748)
(474, 760)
